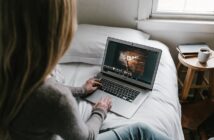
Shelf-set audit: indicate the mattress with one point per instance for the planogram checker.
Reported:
(161, 110)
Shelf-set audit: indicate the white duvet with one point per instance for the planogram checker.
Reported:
(161, 110)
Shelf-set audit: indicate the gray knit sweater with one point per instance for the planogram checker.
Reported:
(52, 111)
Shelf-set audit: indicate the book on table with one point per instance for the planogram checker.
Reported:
(190, 50)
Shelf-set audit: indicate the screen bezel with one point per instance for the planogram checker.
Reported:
(127, 79)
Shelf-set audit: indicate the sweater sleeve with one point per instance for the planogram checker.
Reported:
(68, 123)
(77, 91)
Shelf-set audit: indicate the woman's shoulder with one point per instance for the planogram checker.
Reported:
(47, 99)
(56, 98)
(43, 108)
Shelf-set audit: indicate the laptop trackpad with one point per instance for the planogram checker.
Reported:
(119, 106)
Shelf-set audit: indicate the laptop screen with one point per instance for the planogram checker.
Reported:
(131, 62)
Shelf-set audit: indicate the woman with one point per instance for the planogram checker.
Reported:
(33, 106)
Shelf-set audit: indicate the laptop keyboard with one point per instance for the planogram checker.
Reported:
(118, 90)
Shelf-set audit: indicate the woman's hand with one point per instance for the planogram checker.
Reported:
(105, 104)
(91, 85)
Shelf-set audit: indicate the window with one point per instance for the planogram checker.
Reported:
(191, 9)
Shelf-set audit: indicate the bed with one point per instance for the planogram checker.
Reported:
(82, 61)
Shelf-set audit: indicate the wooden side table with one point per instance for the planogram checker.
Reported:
(194, 66)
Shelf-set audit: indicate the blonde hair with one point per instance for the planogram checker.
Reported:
(34, 36)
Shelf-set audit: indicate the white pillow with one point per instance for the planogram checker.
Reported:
(88, 44)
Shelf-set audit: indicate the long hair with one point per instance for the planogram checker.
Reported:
(34, 35)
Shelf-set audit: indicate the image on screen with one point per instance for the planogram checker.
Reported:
(135, 63)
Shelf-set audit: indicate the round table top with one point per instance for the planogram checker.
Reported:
(193, 62)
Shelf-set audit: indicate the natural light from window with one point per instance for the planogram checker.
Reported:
(186, 6)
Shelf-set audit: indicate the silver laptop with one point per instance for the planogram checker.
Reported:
(127, 74)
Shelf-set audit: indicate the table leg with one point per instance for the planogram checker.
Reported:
(178, 66)
(187, 83)
(199, 81)
(211, 83)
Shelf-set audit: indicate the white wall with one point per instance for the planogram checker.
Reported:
(124, 13)
(108, 12)
(173, 33)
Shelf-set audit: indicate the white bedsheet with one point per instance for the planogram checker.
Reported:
(161, 110)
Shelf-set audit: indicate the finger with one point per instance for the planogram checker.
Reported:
(101, 99)
(95, 104)
(89, 80)
(110, 102)
(110, 106)
(110, 99)
(95, 83)
(94, 88)
(107, 99)
(97, 80)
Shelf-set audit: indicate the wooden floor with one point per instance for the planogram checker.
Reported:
(200, 115)
(188, 135)
(194, 114)
(196, 135)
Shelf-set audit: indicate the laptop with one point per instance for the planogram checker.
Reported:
(127, 75)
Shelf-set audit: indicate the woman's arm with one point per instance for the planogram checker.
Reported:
(77, 91)
(67, 121)
(88, 88)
